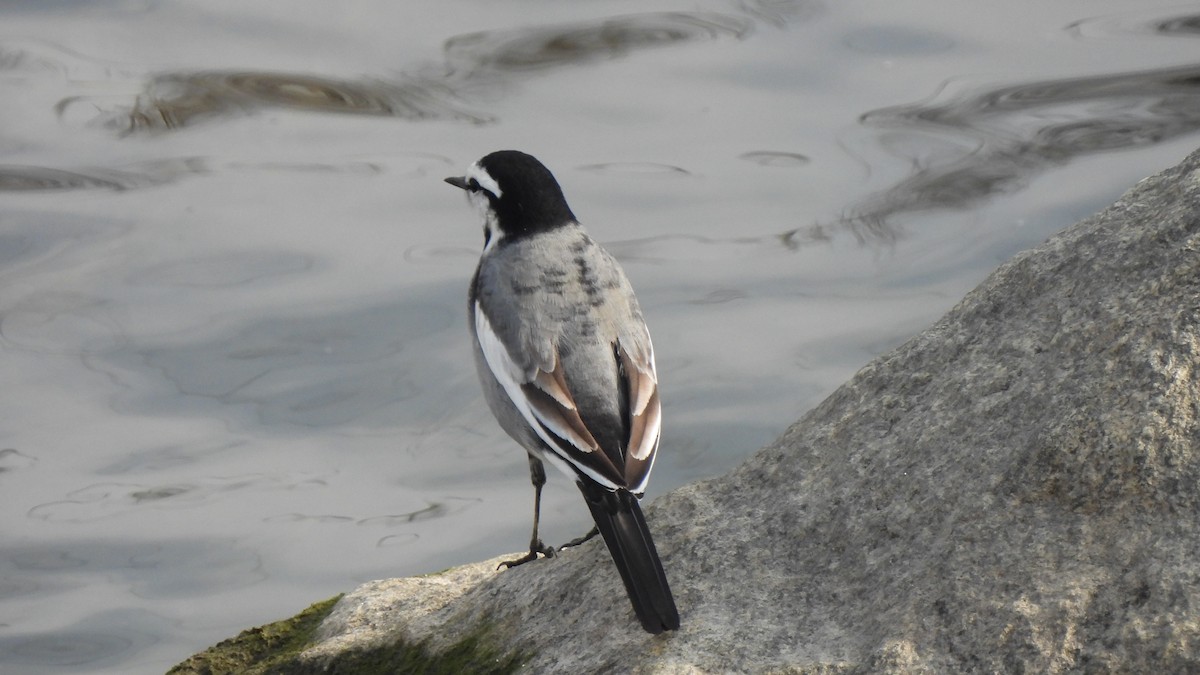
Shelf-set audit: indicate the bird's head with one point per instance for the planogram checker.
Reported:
(516, 194)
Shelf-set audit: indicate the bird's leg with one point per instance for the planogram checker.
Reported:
(537, 475)
(579, 540)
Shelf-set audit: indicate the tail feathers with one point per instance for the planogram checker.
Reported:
(620, 521)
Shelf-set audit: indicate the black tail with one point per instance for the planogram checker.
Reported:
(620, 521)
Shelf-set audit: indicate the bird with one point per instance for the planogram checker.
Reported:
(566, 364)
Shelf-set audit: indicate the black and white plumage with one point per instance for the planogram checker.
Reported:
(566, 363)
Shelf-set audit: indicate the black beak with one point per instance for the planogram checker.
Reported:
(459, 182)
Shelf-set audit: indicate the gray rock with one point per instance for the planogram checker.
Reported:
(1015, 489)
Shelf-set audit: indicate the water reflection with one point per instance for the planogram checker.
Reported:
(34, 57)
(775, 158)
(23, 61)
(58, 571)
(307, 518)
(24, 178)
(111, 636)
(780, 13)
(17, 178)
(225, 398)
(636, 168)
(1185, 26)
(325, 369)
(800, 237)
(26, 241)
(162, 458)
(108, 500)
(64, 648)
(982, 144)
(435, 509)
(1173, 25)
(162, 568)
(439, 509)
(174, 100)
(538, 47)
(12, 460)
(397, 540)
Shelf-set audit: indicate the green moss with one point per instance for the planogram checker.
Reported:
(273, 650)
(475, 653)
(257, 650)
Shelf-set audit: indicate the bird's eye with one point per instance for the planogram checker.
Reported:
(474, 186)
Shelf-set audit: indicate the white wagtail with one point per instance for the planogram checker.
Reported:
(566, 364)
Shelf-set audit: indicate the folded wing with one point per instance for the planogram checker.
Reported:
(541, 394)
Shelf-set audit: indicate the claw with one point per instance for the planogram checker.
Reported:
(579, 540)
(534, 549)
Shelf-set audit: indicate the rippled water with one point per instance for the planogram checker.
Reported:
(232, 284)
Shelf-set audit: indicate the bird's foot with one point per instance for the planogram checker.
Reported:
(535, 548)
(579, 540)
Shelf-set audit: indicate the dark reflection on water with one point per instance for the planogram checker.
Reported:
(30, 178)
(451, 506)
(62, 648)
(635, 168)
(30, 240)
(16, 59)
(1186, 26)
(175, 569)
(25, 178)
(324, 369)
(34, 56)
(101, 501)
(11, 460)
(162, 568)
(175, 100)
(17, 178)
(306, 518)
(565, 44)
(779, 13)
(179, 568)
(983, 144)
(775, 158)
(160, 458)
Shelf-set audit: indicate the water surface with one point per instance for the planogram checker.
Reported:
(232, 283)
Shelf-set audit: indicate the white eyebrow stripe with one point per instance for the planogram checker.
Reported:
(485, 180)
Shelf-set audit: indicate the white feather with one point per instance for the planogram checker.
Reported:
(484, 179)
(641, 487)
